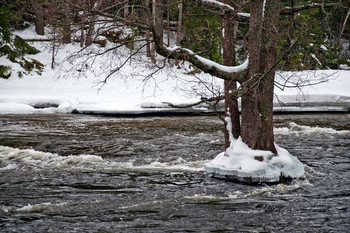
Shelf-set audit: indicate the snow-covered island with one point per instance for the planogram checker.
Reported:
(65, 90)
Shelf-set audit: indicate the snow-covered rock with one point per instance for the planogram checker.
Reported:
(240, 163)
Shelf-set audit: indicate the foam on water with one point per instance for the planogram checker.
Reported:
(44, 159)
(14, 157)
(303, 130)
(268, 191)
(45, 206)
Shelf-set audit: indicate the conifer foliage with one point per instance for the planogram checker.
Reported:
(14, 47)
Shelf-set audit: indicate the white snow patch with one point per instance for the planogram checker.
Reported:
(239, 161)
(13, 108)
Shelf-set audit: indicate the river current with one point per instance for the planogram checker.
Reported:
(80, 173)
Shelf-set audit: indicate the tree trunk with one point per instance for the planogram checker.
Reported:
(148, 33)
(39, 20)
(179, 27)
(82, 36)
(66, 25)
(257, 103)
(91, 29)
(229, 59)
(154, 22)
(90, 32)
(168, 21)
(126, 10)
(157, 18)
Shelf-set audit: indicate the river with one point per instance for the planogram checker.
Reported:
(81, 173)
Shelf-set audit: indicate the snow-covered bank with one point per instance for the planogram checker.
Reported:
(330, 94)
(67, 89)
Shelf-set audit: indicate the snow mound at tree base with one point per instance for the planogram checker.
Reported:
(242, 164)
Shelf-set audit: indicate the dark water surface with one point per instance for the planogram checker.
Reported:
(77, 173)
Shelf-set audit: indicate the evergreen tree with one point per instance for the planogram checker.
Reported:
(14, 47)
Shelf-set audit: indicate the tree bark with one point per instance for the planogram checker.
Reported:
(257, 103)
(157, 20)
(89, 35)
(148, 33)
(39, 20)
(67, 24)
(126, 10)
(229, 59)
(156, 28)
(179, 27)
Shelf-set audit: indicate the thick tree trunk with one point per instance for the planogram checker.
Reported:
(157, 18)
(39, 20)
(257, 103)
(66, 25)
(229, 59)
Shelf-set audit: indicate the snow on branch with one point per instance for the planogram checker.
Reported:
(292, 10)
(217, 4)
(206, 65)
(228, 69)
(240, 16)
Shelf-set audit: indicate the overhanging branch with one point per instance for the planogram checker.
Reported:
(207, 66)
(292, 10)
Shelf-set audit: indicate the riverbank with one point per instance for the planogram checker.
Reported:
(134, 91)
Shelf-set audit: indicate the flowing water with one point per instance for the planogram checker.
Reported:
(77, 173)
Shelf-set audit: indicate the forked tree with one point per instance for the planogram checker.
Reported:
(256, 77)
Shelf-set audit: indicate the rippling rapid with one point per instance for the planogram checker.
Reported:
(77, 173)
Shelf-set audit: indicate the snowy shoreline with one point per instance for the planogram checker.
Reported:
(131, 91)
(47, 94)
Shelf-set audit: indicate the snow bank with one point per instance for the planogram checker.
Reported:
(241, 163)
(319, 90)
